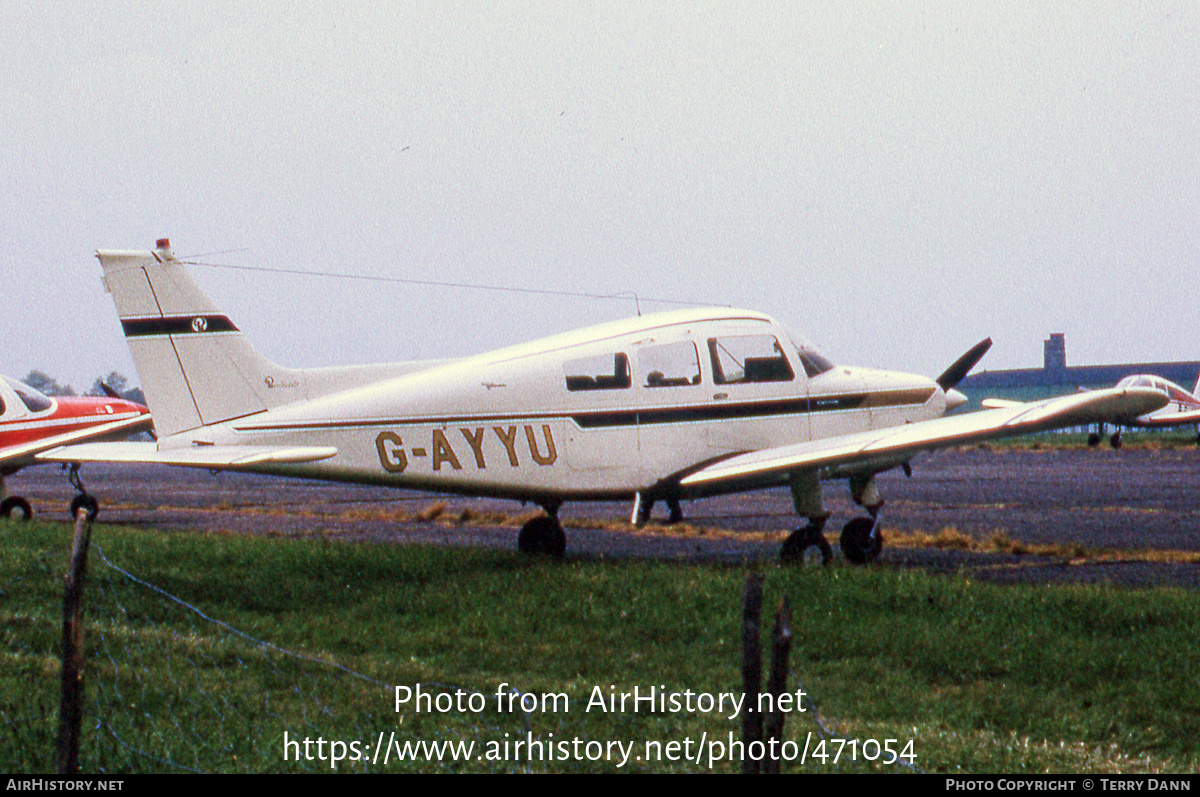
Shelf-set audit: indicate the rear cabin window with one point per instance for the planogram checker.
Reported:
(669, 365)
(748, 358)
(31, 398)
(34, 400)
(601, 372)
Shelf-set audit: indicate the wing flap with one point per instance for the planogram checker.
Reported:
(215, 457)
(892, 446)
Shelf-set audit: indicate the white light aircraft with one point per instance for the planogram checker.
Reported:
(681, 404)
(1182, 408)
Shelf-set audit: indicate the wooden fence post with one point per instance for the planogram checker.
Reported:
(752, 726)
(70, 715)
(781, 646)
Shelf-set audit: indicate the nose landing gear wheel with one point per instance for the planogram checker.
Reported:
(83, 500)
(861, 540)
(87, 503)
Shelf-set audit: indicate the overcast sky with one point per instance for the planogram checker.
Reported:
(894, 181)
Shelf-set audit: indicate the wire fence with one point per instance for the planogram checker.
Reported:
(172, 689)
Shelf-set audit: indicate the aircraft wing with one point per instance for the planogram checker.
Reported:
(1154, 420)
(889, 447)
(213, 457)
(26, 452)
(1167, 419)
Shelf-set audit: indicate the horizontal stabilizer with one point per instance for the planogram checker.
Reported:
(890, 447)
(217, 457)
(114, 429)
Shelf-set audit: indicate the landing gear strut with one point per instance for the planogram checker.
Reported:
(862, 538)
(83, 500)
(544, 534)
(1095, 437)
(642, 507)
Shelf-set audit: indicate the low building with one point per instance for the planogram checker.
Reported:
(1056, 378)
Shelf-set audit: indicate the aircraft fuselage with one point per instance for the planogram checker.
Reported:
(600, 413)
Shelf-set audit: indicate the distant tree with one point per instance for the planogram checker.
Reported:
(39, 380)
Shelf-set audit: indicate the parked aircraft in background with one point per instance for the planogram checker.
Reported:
(675, 405)
(1182, 408)
(31, 422)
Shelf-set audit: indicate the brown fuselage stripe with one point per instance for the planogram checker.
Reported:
(638, 417)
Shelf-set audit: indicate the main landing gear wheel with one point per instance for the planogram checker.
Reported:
(861, 540)
(807, 546)
(87, 503)
(18, 505)
(543, 535)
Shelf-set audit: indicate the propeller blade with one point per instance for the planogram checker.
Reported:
(963, 365)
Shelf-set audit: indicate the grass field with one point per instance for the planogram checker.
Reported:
(308, 638)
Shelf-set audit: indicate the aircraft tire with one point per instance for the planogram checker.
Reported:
(1115, 440)
(806, 547)
(15, 503)
(87, 502)
(1093, 440)
(857, 543)
(543, 535)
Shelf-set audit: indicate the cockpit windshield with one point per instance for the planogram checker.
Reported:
(1142, 380)
(1173, 391)
(813, 361)
(35, 400)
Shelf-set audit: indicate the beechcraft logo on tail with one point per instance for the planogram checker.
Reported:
(176, 325)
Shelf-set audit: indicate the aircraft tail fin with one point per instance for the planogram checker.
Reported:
(195, 366)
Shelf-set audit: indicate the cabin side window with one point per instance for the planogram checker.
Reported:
(31, 398)
(814, 362)
(669, 365)
(34, 400)
(748, 358)
(600, 372)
